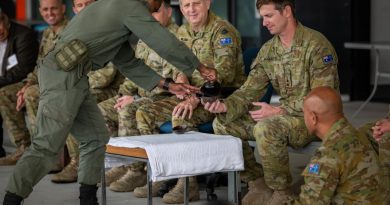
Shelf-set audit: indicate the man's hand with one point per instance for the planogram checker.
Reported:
(209, 74)
(20, 102)
(186, 108)
(215, 107)
(182, 89)
(380, 128)
(123, 101)
(265, 111)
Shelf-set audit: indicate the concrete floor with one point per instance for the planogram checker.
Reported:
(48, 193)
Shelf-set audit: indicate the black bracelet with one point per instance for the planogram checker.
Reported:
(167, 81)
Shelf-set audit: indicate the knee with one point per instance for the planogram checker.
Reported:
(142, 114)
(218, 127)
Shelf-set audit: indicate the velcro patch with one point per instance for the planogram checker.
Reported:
(314, 168)
(327, 59)
(226, 41)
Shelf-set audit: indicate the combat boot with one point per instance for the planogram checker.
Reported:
(129, 181)
(68, 174)
(12, 199)
(280, 196)
(142, 192)
(115, 174)
(88, 195)
(13, 158)
(259, 193)
(176, 195)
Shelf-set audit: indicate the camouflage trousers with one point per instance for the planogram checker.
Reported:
(31, 97)
(383, 150)
(122, 121)
(103, 94)
(13, 120)
(150, 117)
(273, 135)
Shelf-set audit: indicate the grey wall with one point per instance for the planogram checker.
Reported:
(380, 32)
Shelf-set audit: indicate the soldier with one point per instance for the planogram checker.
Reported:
(104, 83)
(119, 112)
(338, 171)
(216, 43)
(379, 135)
(296, 60)
(65, 103)
(53, 14)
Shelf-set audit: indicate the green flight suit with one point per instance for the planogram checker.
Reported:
(66, 104)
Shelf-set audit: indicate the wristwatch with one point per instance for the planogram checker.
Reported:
(167, 81)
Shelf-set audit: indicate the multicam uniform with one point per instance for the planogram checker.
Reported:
(13, 119)
(217, 45)
(310, 62)
(383, 150)
(344, 170)
(123, 120)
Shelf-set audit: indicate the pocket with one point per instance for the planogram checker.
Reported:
(71, 54)
(57, 114)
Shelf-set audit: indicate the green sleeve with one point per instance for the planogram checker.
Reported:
(143, 25)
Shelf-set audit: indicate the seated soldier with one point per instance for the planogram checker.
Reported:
(216, 43)
(119, 111)
(17, 61)
(345, 169)
(379, 135)
(296, 60)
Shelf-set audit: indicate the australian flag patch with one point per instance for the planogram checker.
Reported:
(327, 59)
(225, 41)
(314, 168)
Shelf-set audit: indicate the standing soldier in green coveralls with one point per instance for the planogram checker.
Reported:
(66, 104)
(296, 60)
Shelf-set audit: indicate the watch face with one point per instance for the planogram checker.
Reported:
(210, 89)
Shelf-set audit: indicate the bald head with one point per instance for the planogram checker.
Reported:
(322, 107)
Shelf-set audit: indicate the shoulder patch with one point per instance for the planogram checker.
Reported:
(314, 168)
(226, 41)
(327, 59)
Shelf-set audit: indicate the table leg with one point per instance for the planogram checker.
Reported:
(103, 184)
(186, 191)
(149, 183)
(234, 187)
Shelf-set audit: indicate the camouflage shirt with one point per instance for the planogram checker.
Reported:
(153, 60)
(49, 38)
(102, 78)
(217, 45)
(310, 62)
(344, 170)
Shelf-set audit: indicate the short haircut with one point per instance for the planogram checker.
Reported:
(279, 4)
(4, 18)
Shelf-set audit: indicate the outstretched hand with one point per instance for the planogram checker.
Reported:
(182, 89)
(209, 74)
(265, 110)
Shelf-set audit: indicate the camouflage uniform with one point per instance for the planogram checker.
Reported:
(383, 150)
(344, 170)
(310, 62)
(217, 45)
(123, 120)
(14, 120)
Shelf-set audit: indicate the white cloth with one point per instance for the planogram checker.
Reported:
(193, 153)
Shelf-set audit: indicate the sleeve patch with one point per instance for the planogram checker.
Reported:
(327, 59)
(314, 168)
(226, 41)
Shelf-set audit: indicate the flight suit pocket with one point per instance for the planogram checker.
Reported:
(71, 54)
(57, 114)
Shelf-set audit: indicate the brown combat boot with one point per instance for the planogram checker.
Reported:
(176, 195)
(115, 174)
(68, 174)
(13, 158)
(259, 193)
(142, 192)
(280, 196)
(129, 181)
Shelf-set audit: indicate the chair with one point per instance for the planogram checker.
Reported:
(248, 56)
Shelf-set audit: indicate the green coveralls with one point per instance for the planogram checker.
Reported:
(66, 104)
